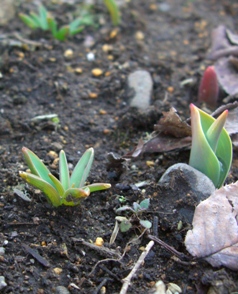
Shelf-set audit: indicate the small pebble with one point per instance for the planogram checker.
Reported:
(69, 53)
(90, 56)
(99, 241)
(2, 250)
(97, 72)
(2, 282)
(61, 290)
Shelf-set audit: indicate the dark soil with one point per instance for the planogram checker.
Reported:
(37, 79)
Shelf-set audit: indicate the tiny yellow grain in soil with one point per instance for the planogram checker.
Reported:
(97, 72)
(99, 241)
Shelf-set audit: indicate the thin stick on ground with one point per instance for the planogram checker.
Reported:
(127, 280)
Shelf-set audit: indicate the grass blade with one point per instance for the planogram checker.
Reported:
(43, 18)
(58, 186)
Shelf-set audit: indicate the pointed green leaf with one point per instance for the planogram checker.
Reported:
(82, 169)
(114, 11)
(49, 191)
(62, 33)
(63, 170)
(73, 196)
(52, 24)
(36, 19)
(58, 186)
(98, 187)
(43, 18)
(29, 21)
(36, 166)
(75, 24)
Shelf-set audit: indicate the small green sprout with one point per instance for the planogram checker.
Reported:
(67, 190)
(46, 22)
(114, 11)
(211, 151)
(124, 224)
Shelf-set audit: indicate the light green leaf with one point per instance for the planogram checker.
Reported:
(59, 187)
(145, 203)
(63, 170)
(49, 191)
(82, 169)
(29, 21)
(114, 11)
(73, 196)
(36, 166)
(43, 18)
(146, 224)
(98, 187)
(62, 33)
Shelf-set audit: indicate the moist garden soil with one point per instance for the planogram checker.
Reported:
(38, 78)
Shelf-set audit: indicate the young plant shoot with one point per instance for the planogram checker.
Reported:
(209, 87)
(211, 151)
(67, 190)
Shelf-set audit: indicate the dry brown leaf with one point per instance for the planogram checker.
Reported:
(215, 230)
(172, 124)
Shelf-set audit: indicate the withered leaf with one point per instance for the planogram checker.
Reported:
(172, 124)
(214, 236)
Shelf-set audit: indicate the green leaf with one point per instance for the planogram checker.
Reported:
(63, 170)
(125, 226)
(29, 21)
(124, 208)
(73, 196)
(82, 169)
(146, 224)
(145, 203)
(36, 166)
(52, 24)
(43, 18)
(49, 191)
(75, 24)
(62, 33)
(214, 131)
(36, 18)
(214, 164)
(58, 186)
(114, 11)
(98, 187)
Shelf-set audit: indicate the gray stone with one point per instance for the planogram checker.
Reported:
(141, 82)
(61, 290)
(197, 181)
(2, 282)
(7, 11)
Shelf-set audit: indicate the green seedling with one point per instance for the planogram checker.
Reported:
(67, 190)
(124, 224)
(46, 22)
(211, 151)
(113, 11)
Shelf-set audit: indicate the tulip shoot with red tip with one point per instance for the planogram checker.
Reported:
(209, 87)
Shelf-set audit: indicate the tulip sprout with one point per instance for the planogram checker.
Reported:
(211, 151)
(67, 190)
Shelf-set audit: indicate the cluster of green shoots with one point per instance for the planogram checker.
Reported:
(67, 190)
(46, 22)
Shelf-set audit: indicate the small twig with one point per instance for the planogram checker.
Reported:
(180, 255)
(127, 280)
(101, 249)
(228, 106)
(104, 281)
(155, 225)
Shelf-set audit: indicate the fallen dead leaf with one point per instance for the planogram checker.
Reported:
(214, 236)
